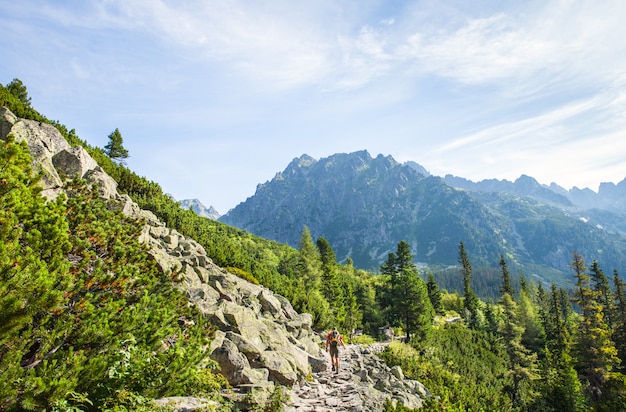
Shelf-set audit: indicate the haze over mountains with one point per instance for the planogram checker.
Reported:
(200, 209)
(364, 206)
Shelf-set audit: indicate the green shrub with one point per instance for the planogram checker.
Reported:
(242, 274)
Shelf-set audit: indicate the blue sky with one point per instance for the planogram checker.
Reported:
(214, 97)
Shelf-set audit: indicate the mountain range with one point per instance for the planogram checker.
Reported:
(365, 205)
(200, 209)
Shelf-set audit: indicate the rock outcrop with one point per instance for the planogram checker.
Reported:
(261, 341)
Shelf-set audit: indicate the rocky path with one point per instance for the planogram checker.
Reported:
(362, 384)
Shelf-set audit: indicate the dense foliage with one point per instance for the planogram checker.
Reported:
(87, 319)
(536, 351)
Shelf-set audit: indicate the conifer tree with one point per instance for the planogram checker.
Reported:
(330, 282)
(600, 284)
(619, 334)
(387, 290)
(309, 261)
(596, 353)
(434, 294)
(541, 299)
(18, 89)
(309, 297)
(353, 315)
(404, 257)
(470, 302)
(412, 305)
(372, 316)
(115, 147)
(560, 387)
(506, 279)
(522, 363)
(406, 293)
(492, 318)
(530, 318)
(523, 283)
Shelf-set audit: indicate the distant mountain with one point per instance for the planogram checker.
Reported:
(523, 186)
(364, 206)
(605, 209)
(200, 209)
(417, 167)
(610, 197)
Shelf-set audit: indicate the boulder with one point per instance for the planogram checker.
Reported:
(107, 187)
(280, 370)
(232, 363)
(73, 162)
(288, 310)
(397, 372)
(270, 304)
(7, 120)
(252, 352)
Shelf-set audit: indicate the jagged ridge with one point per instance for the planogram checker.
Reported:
(363, 206)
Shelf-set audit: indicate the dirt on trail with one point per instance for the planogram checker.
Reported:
(363, 383)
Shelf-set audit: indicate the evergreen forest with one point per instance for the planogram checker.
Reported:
(88, 322)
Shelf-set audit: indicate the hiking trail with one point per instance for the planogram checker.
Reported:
(363, 383)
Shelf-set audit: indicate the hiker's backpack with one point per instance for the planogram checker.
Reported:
(334, 339)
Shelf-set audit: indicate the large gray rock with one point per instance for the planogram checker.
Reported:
(107, 187)
(232, 363)
(280, 369)
(53, 156)
(43, 141)
(7, 120)
(73, 162)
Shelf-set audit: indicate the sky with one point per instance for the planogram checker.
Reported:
(213, 97)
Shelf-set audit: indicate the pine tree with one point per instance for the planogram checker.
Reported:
(506, 279)
(560, 387)
(619, 335)
(309, 261)
(309, 297)
(372, 316)
(406, 294)
(330, 282)
(600, 285)
(522, 363)
(434, 294)
(596, 353)
(470, 302)
(353, 315)
(115, 147)
(530, 318)
(387, 289)
(404, 257)
(412, 306)
(18, 89)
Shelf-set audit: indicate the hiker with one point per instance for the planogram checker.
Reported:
(333, 340)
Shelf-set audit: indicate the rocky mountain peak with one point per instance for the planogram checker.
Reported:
(364, 206)
(199, 208)
(299, 163)
(417, 167)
